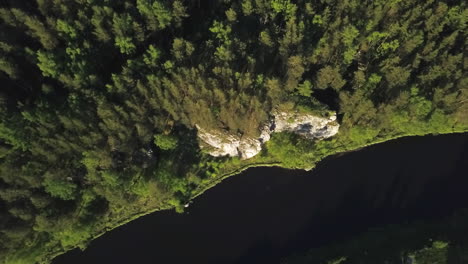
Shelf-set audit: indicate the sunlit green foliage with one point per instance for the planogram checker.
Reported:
(86, 86)
(165, 142)
(305, 88)
(60, 188)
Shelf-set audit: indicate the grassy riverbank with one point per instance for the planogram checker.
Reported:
(101, 100)
(234, 167)
(283, 150)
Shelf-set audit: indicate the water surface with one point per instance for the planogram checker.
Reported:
(264, 214)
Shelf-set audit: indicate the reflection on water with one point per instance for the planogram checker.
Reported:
(435, 241)
(265, 214)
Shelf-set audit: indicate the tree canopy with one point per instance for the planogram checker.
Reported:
(100, 99)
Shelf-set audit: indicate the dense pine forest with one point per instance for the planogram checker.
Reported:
(100, 99)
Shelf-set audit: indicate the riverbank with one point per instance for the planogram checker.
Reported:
(234, 167)
(272, 204)
(422, 241)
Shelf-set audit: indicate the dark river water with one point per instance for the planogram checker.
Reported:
(265, 214)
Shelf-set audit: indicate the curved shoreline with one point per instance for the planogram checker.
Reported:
(205, 187)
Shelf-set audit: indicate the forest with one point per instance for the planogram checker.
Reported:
(100, 99)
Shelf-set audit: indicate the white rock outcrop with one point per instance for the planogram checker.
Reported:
(307, 125)
(218, 143)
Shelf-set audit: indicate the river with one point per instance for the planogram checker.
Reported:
(265, 214)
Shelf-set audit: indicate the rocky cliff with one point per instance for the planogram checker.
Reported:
(220, 143)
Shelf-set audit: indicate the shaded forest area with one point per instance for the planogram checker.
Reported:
(100, 98)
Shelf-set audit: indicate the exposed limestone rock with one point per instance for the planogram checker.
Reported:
(218, 143)
(265, 134)
(221, 143)
(249, 147)
(306, 125)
